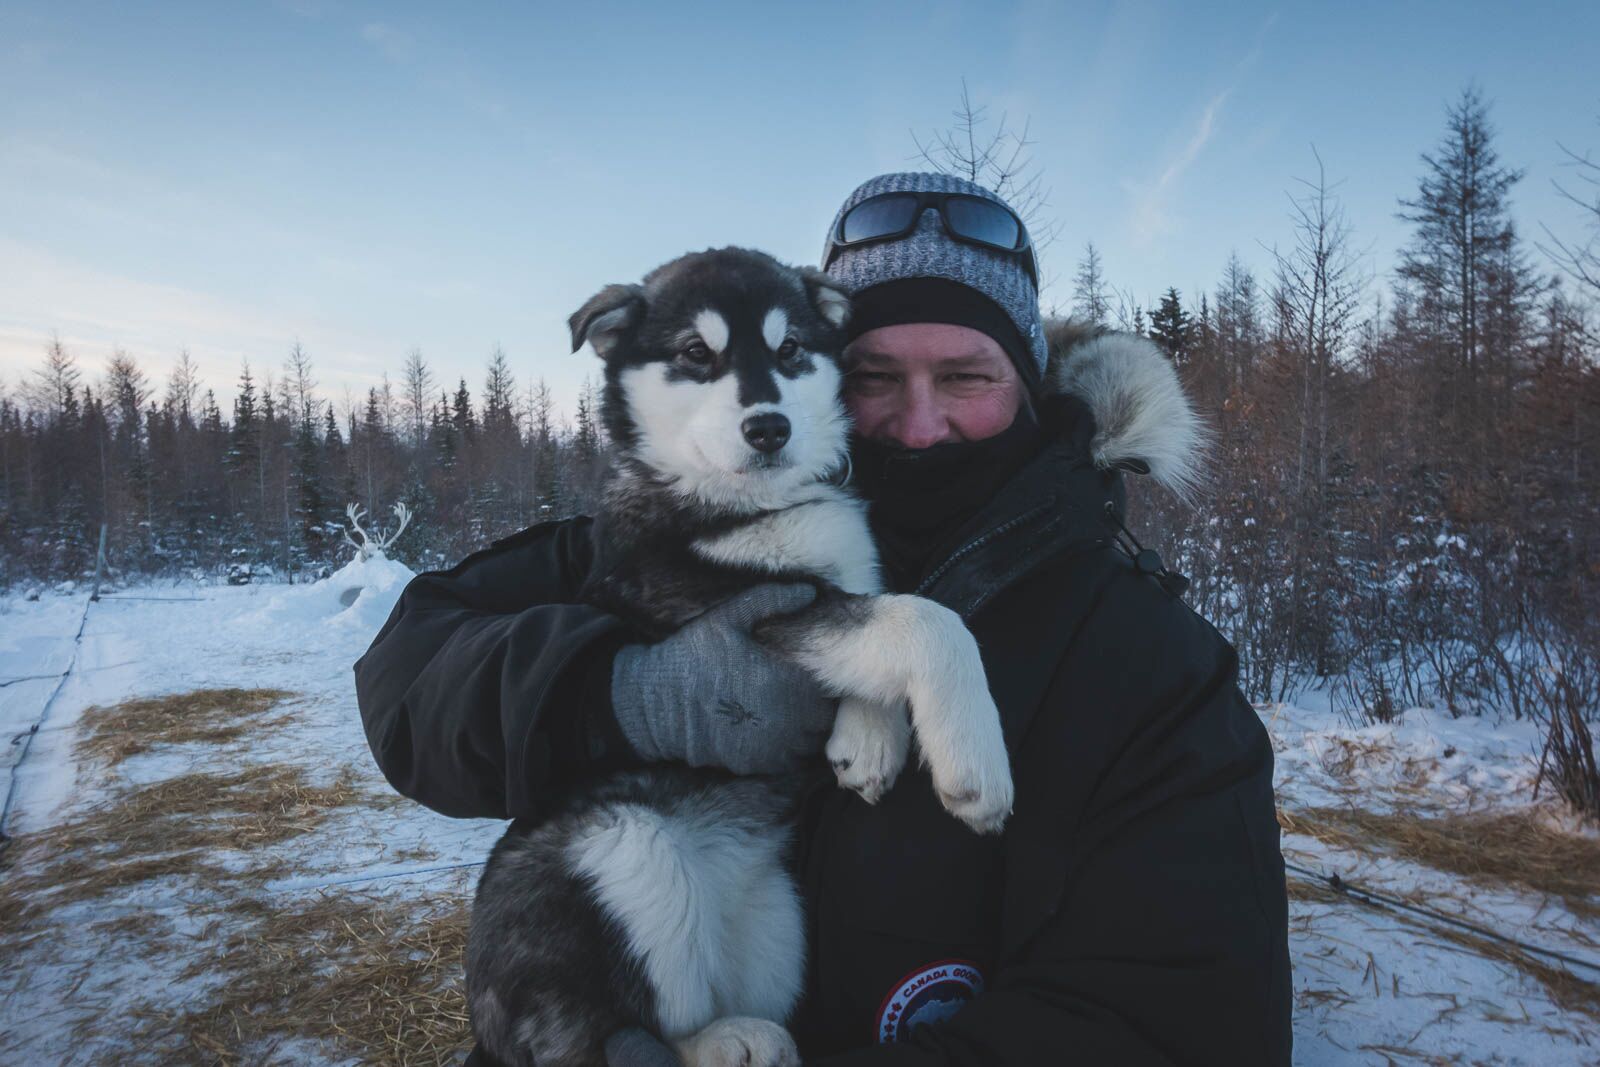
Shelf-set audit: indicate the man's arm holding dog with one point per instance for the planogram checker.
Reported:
(491, 687)
(473, 692)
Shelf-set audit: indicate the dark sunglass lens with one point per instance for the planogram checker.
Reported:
(982, 220)
(878, 217)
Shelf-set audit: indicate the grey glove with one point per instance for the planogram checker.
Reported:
(711, 696)
(636, 1048)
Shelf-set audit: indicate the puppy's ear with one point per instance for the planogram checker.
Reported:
(827, 295)
(608, 315)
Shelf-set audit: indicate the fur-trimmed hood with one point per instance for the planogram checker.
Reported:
(1143, 419)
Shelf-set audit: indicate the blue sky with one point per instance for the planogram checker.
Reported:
(232, 177)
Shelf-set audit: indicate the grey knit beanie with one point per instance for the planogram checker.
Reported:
(930, 252)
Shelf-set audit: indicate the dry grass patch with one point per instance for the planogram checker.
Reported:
(178, 827)
(1507, 848)
(1406, 1054)
(1566, 989)
(207, 716)
(377, 978)
(19, 915)
(137, 925)
(1341, 757)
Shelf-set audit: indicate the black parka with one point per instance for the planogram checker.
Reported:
(1134, 909)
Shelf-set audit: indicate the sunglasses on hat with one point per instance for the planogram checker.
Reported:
(972, 219)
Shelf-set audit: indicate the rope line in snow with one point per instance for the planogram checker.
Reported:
(1373, 898)
(27, 678)
(358, 879)
(33, 731)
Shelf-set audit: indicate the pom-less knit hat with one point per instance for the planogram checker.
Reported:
(891, 282)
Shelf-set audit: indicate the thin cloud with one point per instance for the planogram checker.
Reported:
(1256, 47)
(95, 311)
(436, 69)
(1202, 133)
(306, 9)
(394, 44)
(1151, 220)
(1150, 216)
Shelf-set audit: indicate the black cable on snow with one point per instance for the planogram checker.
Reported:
(1373, 898)
(33, 731)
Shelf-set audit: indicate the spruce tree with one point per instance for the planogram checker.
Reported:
(498, 390)
(443, 434)
(1091, 301)
(1172, 328)
(461, 414)
(308, 489)
(1462, 259)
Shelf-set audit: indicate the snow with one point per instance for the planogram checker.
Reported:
(1374, 986)
(1370, 986)
(1458, 764)
(299, 638)
(354, 600)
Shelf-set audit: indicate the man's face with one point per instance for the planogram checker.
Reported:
(927, 383)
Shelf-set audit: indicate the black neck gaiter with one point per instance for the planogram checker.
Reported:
(919, 498)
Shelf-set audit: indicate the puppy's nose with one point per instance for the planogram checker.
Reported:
(766, 432)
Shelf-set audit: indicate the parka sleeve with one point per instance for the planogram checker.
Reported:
(1144, 879)
(482, 691)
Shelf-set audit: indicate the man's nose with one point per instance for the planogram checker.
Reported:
(921, 424)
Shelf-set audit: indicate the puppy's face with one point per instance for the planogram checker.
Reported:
(722, 374)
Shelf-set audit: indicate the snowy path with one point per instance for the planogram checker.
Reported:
(35, 651)
(299, 639)
(1370, 987)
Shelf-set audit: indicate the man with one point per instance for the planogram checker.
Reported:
(1134, 909)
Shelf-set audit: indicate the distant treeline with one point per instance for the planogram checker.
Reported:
(187, 490)
(1407, 477)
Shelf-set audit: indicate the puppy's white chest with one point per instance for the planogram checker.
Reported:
(826, 536)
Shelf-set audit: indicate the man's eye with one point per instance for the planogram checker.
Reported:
(696, 353)
(966, 378)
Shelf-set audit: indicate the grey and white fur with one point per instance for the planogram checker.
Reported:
(660, 898)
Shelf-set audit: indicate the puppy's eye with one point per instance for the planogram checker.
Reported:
(789, 349)
(696, 353)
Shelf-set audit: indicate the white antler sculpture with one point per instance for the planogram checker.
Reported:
(369, 547)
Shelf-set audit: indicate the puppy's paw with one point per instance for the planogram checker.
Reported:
(740, 1041)
(973, 775)
(868, 747)
(984, 808)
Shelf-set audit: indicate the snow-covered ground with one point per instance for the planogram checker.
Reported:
(1371, 986)
(1376, 986)
(298, 638)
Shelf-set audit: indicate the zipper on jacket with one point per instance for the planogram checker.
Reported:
(975, 544)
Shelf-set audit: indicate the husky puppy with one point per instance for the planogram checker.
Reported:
(661, 898)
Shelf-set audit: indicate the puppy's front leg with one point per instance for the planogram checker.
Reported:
(868, 746)
(739, 1042)
(887, 650)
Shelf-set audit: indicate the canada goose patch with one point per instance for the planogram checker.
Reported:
(927, 995)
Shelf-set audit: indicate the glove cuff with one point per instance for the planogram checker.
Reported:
(631, 691)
